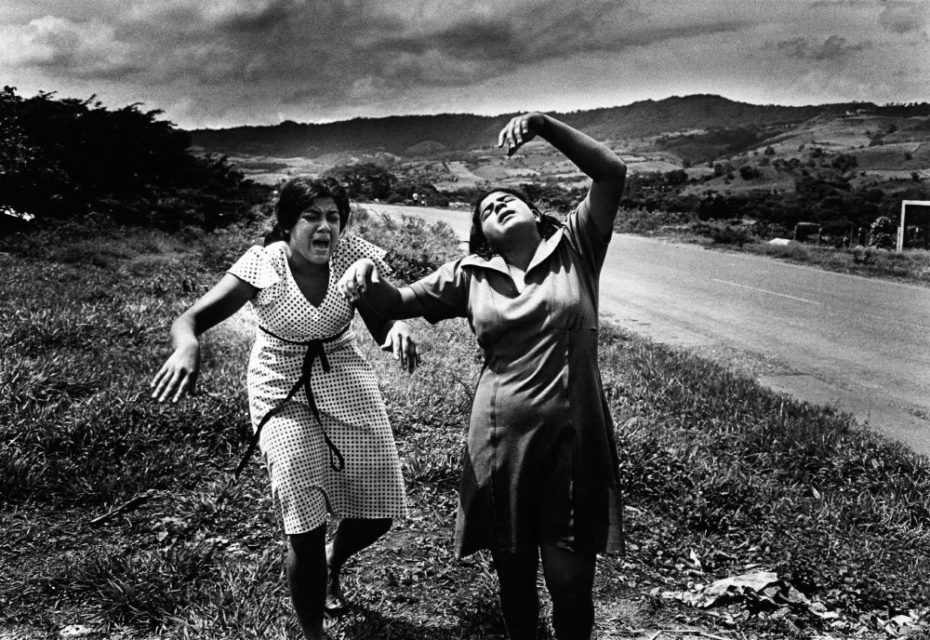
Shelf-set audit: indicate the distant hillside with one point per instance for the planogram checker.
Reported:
(453, 133)
(401, 135)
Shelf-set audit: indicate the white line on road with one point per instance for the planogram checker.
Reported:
(774, 293)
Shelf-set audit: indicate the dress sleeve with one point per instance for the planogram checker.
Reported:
(352, 248)
(443, 293)
(256, 267)
(585, 238)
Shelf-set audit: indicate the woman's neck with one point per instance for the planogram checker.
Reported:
(518, 247)
(519, 254)
(519, 258)
(304, 267)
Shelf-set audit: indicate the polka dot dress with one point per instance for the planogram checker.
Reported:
(352, 411)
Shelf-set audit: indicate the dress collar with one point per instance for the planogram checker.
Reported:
(496, 262)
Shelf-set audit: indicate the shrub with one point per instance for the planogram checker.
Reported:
(882, 233)
(724, 233)
(415, 248)
(748, 172)
(641, 221)
(365, 180)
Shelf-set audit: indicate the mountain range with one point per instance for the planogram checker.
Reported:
(449, 134)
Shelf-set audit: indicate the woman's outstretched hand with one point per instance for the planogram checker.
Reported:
(520, 130)
(400, 342)
(356, 279)
(178, 374)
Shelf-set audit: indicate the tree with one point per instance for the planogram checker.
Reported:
(882, 233)
(676, 178)
(845, 162)
(63, 158)
(365, 180)
(748, 172)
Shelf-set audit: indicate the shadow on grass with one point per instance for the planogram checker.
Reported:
(480, 620)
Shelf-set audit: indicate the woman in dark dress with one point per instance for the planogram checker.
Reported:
(540, 478)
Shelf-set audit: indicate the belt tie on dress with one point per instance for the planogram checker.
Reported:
(314, 350)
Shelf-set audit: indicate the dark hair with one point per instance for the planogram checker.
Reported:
(478, 244)
(297, 195)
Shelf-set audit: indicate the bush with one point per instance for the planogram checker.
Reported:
(649, 222)
(748, 172)
(414, 247)
(365, 180)
(724, 233)
(882, 233)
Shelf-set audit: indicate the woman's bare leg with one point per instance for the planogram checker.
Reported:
(306, 578)
(352, 535)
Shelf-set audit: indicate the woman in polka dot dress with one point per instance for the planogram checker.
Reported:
(315, 405)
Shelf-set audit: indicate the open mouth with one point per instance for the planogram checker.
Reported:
(320, 243)
(503, 215)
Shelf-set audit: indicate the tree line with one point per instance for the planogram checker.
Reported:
(66, 158)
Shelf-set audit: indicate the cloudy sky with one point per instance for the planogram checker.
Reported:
(215, 63)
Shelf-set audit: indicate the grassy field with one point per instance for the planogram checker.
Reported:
(118, 514)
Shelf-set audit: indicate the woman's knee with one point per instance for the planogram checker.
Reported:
(516, 570)
(569, 576)
(567, 595)
(364, 531)
(308, 542)
(380, 526)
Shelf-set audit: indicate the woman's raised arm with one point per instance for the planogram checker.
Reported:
(606, 170)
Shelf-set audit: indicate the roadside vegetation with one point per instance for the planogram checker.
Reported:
(911, 266)
(119, 514)
(841, 225)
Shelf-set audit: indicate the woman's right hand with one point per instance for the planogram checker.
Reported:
(178, 374)
(520, 130)
(357, 278)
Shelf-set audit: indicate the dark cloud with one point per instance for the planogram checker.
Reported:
(474, 39)
(261, 19)
(904, 17)
(833, 48)
(483, 47)
(88, 50)
(330, 51)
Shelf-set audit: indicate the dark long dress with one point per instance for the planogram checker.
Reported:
(542, 460)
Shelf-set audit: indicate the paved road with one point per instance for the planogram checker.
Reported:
(860, 345)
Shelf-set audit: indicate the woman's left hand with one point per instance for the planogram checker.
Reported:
(356, 279)
(401, 343)
(520, 130)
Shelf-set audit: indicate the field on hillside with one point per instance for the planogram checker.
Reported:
(118, 514)
(860, 150)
